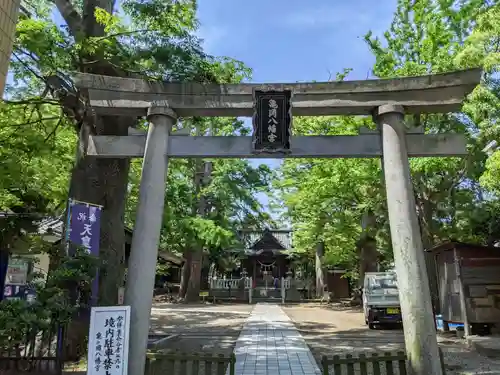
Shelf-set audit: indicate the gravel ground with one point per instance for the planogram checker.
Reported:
(336, 330)
(203, 328)
(198, 319)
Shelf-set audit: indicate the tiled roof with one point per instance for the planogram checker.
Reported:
(282, 236)
(51, 225)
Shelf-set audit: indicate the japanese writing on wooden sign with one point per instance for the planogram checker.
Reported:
(272, 121)
(108, 340)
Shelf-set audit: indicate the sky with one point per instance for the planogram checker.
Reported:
(294, 40)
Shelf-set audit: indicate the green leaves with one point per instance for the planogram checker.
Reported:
(481, 46)
(34, 162)
(326, 199)
(168, 17)
(54, 304)
(490, 179)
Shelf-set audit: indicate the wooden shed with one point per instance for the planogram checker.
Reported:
(338, 285)
(465, 283)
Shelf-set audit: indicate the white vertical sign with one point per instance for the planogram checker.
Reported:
(108, 340)
(121, 296)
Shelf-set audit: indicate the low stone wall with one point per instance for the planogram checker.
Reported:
(236, 294)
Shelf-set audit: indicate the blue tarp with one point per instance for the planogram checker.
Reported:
(439, 323)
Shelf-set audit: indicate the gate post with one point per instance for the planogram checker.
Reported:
(414, 293)
(144, 251)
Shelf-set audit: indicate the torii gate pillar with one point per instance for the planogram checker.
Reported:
(147, 229)
(414, 293)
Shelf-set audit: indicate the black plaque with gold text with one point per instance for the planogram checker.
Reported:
(272, 120)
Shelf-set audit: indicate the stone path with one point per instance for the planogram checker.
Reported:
(270, 344)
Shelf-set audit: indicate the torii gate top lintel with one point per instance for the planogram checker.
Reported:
(436, 93)
(135, 97)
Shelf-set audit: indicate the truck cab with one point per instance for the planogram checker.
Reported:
(381, 299)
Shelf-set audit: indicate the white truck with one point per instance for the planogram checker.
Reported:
(381, 299)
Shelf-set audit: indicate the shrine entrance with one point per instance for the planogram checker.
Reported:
(267, 256)
(272, 107)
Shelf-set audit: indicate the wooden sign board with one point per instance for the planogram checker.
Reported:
(272, 121)
(108, 340)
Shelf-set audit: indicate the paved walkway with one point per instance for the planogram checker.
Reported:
(269, 344)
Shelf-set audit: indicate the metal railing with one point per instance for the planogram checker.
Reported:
(230, 283)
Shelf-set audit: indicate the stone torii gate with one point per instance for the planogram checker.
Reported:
(387, 100)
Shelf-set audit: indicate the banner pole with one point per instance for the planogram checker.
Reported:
(67, 225)
(87, 203)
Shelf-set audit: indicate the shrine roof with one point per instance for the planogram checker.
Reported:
(258, 241)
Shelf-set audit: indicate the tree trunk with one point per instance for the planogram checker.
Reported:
(368, 261)
(320, 277)
(186, 273)
(193, 290)
(205, 278)
(426, 229)
(368, 258)
(104, 182)
(425, 209)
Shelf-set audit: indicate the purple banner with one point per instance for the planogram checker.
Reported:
(85, 225)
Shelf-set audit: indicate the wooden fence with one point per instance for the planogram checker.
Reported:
(40, 351)
(376, 364)
(178, 363)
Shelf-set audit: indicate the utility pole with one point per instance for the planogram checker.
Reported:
(414, 292)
